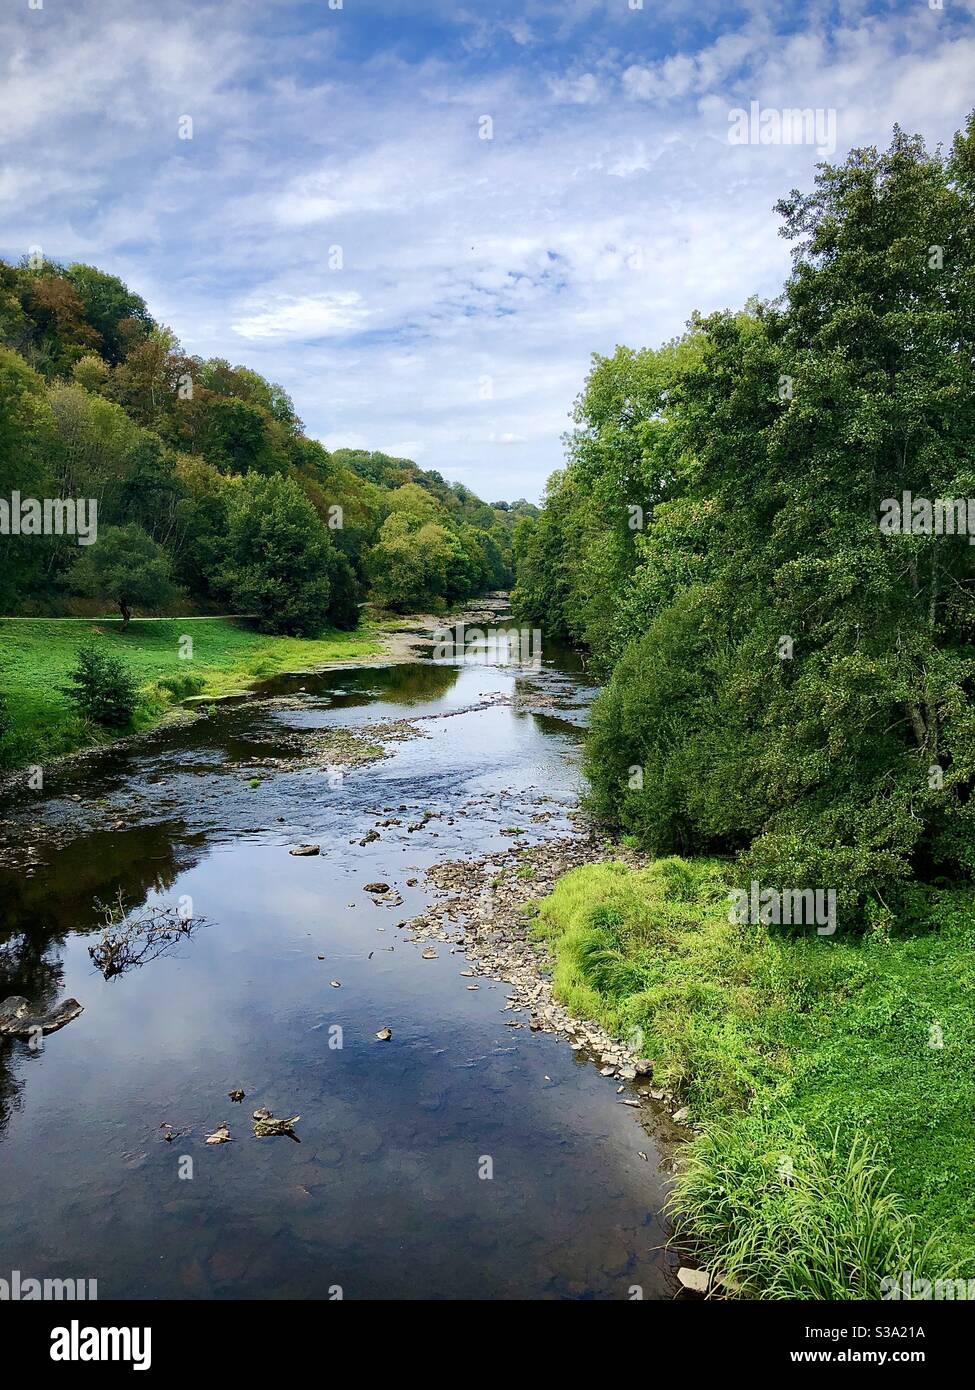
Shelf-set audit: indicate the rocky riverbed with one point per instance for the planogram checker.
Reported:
(483, 910)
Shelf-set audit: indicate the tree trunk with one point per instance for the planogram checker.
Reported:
(126, 615)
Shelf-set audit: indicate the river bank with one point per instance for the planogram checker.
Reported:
(819, 1090)
(179, 664)
(495, 898)
(169, 658)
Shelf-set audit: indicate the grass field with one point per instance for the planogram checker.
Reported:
(227, 653)
(833, 1077)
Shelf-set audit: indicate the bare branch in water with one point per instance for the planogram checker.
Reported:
(131, 939)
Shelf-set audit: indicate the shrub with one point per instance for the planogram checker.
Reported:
(102, 688)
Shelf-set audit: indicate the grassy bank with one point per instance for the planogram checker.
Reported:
(227, 654)
(832, 1077)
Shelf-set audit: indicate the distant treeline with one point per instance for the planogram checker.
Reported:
(791, 678)
(207, 488)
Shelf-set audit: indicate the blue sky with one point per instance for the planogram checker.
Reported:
(477, 276)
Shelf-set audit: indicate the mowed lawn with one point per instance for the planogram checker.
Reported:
(227, 653)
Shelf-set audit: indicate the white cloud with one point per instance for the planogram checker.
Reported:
(314, 317)
(673, 78)
(580, 90)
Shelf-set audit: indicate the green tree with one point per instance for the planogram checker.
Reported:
(409, 566)
(26, 428)
(91, 372)
(795, 685)
(278, 556)
(126, 566)
(343, 597)
(235, 435)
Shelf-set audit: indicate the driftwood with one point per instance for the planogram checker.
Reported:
(133, 939)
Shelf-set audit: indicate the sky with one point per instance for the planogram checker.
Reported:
(422, 218)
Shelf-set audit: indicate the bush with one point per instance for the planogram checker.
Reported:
(102, 688)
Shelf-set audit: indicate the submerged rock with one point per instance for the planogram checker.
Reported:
(171, 1132)
(303, 850)
(17, 1021)
(267, 1125)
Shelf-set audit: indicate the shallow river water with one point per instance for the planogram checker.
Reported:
(385, 1196)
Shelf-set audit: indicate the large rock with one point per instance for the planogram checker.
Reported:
(17, 1021)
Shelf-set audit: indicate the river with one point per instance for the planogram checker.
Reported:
(459, 1159)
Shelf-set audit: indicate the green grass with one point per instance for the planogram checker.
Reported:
(228, 654)
(836, 1139)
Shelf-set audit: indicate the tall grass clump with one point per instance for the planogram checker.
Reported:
(777, 1215)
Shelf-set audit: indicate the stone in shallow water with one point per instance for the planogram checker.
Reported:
(697, 1280)
(302, 851)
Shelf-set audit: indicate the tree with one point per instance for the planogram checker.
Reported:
(99, 403)
(126, 566)
(64, 334)
(201, 524)
(91, 372)
(151, 493)
(26, 428)
(278, 556)
(791, 684)
(119, 317)
(410, 564)
(343, 598)
(150, 381)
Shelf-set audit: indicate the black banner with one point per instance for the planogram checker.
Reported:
(166, 1339)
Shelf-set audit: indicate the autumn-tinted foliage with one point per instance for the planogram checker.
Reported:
(208, 491)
